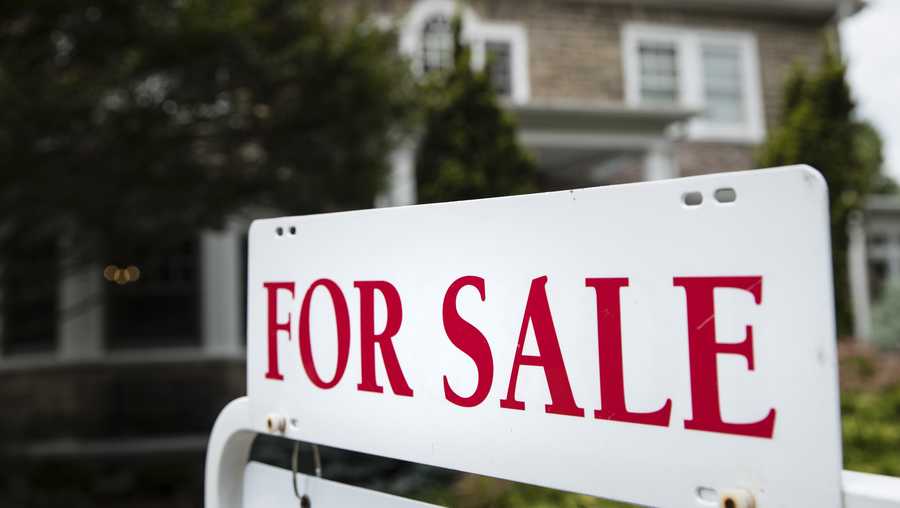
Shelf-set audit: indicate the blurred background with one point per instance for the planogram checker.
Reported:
(138, 139)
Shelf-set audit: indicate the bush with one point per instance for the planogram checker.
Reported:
(871, 428)
(818, 127)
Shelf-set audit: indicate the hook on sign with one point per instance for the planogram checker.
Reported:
(295, 459)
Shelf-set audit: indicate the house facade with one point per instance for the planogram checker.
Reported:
(622, 91)
(604, 92)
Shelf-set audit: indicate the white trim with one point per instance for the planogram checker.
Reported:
(513, 34)
(475, 33)
(688, 43)
(220, 299)
(866, 490)
(858, 274)
(82, 312)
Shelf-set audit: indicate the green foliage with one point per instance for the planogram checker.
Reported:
(817, 128)
(886, 317)
(133, 123)
(871, 427)
(469, 147)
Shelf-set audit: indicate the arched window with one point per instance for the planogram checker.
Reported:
(437, 44)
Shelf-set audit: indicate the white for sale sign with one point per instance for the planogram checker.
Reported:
(626, 342)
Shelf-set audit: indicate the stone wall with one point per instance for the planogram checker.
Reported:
(94, 401)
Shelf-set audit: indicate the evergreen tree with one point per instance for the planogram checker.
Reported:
(128, 125)
(818, 128)
(469, 147)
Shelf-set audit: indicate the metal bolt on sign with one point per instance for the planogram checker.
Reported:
(737, 498)
(276, 423)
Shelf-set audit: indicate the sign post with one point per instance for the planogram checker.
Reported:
(667, 343)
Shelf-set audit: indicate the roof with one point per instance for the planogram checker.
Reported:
(816, 10)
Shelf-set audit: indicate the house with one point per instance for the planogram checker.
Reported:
(604, 91)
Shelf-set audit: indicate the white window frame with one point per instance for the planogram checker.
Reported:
(476, 32)
(689, 43)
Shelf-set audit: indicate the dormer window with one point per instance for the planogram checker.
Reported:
(437, 44)
(500, 48)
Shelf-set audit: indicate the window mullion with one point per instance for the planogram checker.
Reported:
(692, 71)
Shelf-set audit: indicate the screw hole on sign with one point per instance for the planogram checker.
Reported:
(279, 231)
(725, 195)
(707, 495)
(305, 502)
(692, 198)
(729, 503)
(292, 230)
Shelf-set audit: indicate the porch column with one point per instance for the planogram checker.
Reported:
(857, 270)
(221, 296)
(81, 311)
(659, 161)
(401, 183)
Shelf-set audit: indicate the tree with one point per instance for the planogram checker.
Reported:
(818, 128)
(469, 147)
(127, 125)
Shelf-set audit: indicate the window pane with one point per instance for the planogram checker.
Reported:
(500, 70)
(723, 84)
(161, 308)
(30, 295)
(659, 72)
(437, 44)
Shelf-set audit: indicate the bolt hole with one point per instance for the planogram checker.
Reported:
(707, 495)
(729, 503)
(305, 502)
(692, 198)
(279, 231)
(292, 230)
(725, 195)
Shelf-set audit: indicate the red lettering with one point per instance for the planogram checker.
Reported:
(368, 338)
(704, 349)
(470, 341)
(609, 343)
(537, 311)
(272, 289)
(342, 322)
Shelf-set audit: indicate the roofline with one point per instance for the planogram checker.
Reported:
(813, 10)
